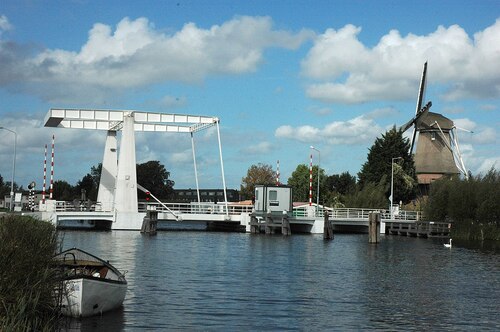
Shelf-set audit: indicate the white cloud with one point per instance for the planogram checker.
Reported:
(488, 107)
(183, 157)
(381, 113)
(347, 71)
(488, 163)
(4, 24)
(469, 132)
(135, 54)
(258, 149)
(466, 124)
(361, 129)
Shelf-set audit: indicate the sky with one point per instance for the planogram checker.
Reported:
(280, 75)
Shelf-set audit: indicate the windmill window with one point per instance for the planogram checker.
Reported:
(433, 136)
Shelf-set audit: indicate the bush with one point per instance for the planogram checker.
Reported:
(28, 280)
(471, 205)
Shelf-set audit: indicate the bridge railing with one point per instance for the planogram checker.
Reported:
(198, 208)
(353, 213)
(360, 213)
(237, 209)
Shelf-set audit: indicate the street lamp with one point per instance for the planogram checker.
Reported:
(13, 168)
(319, 164)
(392, 185)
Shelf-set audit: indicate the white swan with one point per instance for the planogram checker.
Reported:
(448, 245)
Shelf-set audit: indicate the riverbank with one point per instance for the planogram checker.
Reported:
(28, 277)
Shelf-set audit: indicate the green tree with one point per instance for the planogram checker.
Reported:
(63, 191)
(87, 184)
(391, 145)
(4, 190)
(153, 176)
(262, 174)
(372, 195)
(487, 196)
(299, 181)
(95, 171)
(341, 183)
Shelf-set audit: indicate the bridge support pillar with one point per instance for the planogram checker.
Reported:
(126, 189)
(109, 170)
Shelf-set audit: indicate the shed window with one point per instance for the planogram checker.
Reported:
(273, 195)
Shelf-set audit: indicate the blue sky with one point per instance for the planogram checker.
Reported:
(281, 76)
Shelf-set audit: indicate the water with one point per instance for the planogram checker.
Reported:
(231, 282)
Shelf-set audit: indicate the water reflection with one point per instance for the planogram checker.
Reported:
(113, 321)
(213, 281)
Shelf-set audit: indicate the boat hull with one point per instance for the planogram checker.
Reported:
(91, 296)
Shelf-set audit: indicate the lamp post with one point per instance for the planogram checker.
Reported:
(13, 168)
(392, 185)
(319, 164)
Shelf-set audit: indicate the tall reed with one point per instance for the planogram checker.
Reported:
(29, 282)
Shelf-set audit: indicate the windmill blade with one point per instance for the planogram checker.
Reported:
(407, 125)
(416, 118)
(421, 92)
(413, 136)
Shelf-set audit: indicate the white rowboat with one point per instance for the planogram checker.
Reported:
(92, 286)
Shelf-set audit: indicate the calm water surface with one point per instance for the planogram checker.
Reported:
(233, 282)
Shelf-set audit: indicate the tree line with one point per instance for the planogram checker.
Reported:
(151, 175)
(371, 188)
(472, 205)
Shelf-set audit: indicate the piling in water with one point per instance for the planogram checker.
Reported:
(285, 225)
(373, 227)
(150, 222)
(327, 228)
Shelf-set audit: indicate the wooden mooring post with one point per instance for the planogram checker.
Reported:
(285, 225)
(150, 222)
(373, 227)
(268, 226)
(254, 225)
(327, 228)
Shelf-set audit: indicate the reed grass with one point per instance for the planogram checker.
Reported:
(29, 282)
(470, 205)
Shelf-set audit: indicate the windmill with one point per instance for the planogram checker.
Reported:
(437, 152)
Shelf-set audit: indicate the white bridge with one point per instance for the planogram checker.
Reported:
(182, 215)
(117, 193)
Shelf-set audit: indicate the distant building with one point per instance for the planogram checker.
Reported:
(23, 203)
(206, 195)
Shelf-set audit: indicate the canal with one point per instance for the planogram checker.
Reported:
(232, 282)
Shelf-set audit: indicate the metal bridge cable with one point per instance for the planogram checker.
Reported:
(222, 167)
(141, 188)
(195, 169)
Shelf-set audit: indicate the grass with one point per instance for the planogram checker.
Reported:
(28, 280)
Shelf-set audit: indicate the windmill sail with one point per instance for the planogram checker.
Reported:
(420, 99)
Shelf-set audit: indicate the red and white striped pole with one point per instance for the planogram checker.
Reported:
(44, 175)
(310, 181)
(51, 190)
(278, 173)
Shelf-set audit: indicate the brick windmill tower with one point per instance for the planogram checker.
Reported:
(438, 152)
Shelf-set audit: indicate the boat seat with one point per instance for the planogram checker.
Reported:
(103, 272)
